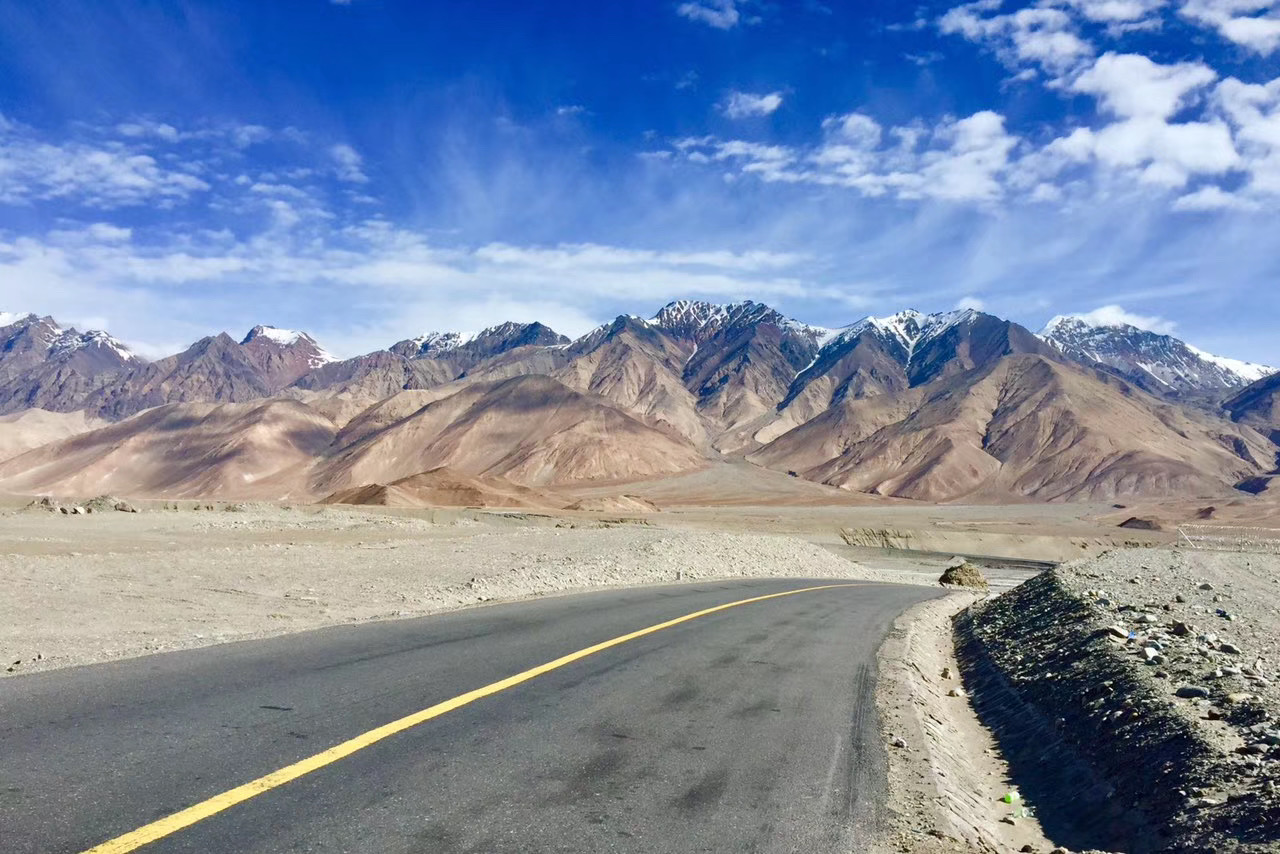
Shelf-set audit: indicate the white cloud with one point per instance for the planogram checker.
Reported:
(348, 163)
(1253, 110)
(956, 160)
(1114, 11)
(141, 129)
(108, 233)
(1114, 315)
(1143, 143)
(1214, 198)
(721, 14)
(396, 276)
(741, 105)
(857, 129)
(1156, 152)
(1254, 24)
(1131, 85)
(972, 303)
(1041, 35)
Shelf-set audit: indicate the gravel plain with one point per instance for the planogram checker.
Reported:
(87, 588)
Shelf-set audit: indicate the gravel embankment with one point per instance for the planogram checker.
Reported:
(1138, 697)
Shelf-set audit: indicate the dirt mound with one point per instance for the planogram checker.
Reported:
(615, 504)
(374, 495)
(1136, 523)
(961, 573)
(444, 487)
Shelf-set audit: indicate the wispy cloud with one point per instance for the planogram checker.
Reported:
(721, 14)
(105, 175)
(348, 163)
(741, 105)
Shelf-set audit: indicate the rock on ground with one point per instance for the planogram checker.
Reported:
(961, 573)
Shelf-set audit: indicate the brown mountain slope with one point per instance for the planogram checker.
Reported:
(1028, 427)
(179, 450)
(741, 373)
(32, 428)
(388, 411)
(376, 375)
(827, 435)
(1258, 405)
(530, 429)
(639, 368)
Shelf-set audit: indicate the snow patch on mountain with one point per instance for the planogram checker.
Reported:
(284, 337)
(1246, 370)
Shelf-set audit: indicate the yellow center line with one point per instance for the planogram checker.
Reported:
(171, 824)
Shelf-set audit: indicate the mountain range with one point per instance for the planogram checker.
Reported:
(953, 406)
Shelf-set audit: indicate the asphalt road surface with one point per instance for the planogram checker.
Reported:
(749, 729)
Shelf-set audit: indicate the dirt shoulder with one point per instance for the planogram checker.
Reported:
(82, 589)
(946, 777)
(1136, 698)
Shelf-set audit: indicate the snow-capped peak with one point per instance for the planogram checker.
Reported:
(284, 337)
(1142, 354)
(691, 312)
(444, 341)
(71, 340)
(908, 327)
(1246, 370)
(316, 355)
(697, 319)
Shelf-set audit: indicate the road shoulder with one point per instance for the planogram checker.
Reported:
(946, 777)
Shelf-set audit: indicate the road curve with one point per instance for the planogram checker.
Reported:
(747, 729)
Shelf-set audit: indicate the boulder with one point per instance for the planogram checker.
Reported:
(961, 573)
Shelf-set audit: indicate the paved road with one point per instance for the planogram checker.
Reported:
(750, 729)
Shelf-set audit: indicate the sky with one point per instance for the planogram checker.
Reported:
(370, 170)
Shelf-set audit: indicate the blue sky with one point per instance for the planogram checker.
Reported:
(372, 169)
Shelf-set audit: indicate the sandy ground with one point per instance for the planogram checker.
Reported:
(80, 589)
